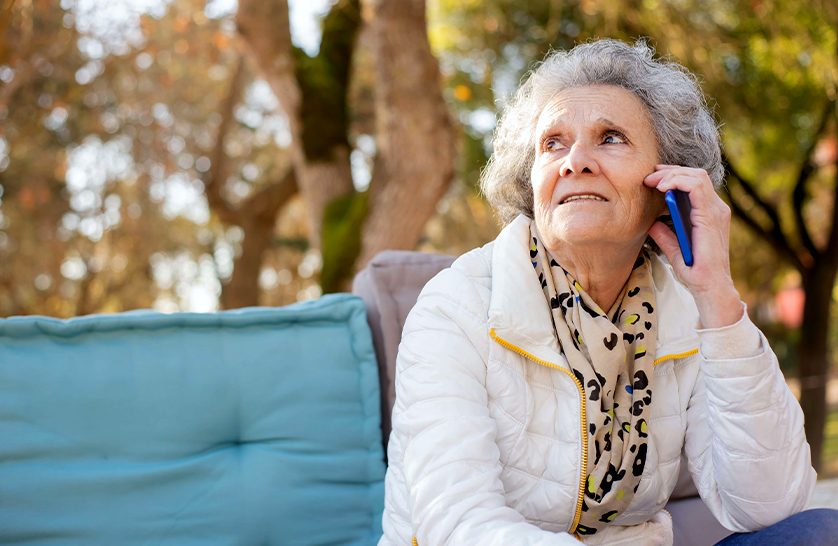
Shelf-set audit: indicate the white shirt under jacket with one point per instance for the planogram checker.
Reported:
(487, 445)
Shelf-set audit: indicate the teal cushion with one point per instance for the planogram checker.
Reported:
(258, 426)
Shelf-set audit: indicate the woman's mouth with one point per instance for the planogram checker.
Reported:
(581, 197)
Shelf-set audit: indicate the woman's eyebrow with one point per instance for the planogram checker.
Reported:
(550, 128)
(612, 125)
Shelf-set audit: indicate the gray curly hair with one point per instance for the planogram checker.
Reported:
(686, 131)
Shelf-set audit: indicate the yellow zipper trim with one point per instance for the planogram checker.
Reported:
(672, 357)
(583, 420)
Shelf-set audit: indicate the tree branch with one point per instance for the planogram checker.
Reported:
(267, 202)
(265, 26)
(5, 19)
(219, 162)
(748, 186)
(23, 73)
(832, 247)
(770, 236)
(8, 282)
(799, 193)
(775, 236)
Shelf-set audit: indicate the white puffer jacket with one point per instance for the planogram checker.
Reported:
(489, 445)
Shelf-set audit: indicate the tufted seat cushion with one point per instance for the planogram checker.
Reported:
(252, 427)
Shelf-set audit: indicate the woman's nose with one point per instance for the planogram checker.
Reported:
(579, 160)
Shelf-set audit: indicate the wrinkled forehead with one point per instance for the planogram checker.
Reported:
(594, 106)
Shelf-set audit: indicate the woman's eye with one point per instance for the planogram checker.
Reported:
(552, 145)
(614, 138)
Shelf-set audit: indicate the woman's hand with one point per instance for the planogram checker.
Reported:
(709, 278)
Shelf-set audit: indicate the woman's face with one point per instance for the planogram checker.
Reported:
(594, 147)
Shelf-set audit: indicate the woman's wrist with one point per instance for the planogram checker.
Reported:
(719, 308)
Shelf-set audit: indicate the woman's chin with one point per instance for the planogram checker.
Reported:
(579, 232)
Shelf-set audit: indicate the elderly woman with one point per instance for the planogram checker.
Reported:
(548, 382)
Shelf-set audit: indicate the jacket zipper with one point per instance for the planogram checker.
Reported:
(675, 356)
(583, 422)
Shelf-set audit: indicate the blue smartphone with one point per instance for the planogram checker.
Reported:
(679, 207)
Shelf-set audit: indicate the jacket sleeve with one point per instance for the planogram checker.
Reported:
(451, 461)
(745, 443)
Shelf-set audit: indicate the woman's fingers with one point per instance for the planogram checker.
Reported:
(681, 178)
(660, 172)
(668, 243)
(705, 203)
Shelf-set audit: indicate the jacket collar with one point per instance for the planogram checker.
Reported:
(520, 315)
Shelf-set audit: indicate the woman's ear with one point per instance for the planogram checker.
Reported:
(658, 203)
(663, 207)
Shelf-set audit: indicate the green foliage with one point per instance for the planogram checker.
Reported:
(324, 82)
(472, 158)
(343, 219)
(830, 446)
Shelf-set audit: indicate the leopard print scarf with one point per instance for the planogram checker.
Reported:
(613, 358)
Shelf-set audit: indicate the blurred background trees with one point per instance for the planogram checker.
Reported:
(200, 155)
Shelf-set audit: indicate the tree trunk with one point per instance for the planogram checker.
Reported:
(312, 93)
(265, 26)
(257, 218)
(321, 182)
(243, 288)
(415, 138)
(813, 355)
